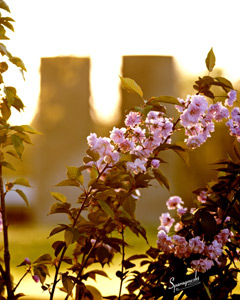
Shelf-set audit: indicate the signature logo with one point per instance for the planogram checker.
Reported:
(185, 284)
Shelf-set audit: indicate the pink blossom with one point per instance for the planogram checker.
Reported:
(167, 128)
(213, 250)
(232, 96)
(149, 145)
(218, 111)
(181, 210)
(152, 116)
(184, 103)
(155, 163)
(195, 141)
(138, 134)
(202, 196)
(234, 123)
(132, 119)
(117, 135)
(112, 157)
(236, 115)
(174, 202)
(164, 242)
(166, 220)
(190, 116)
(126, 145)
(1, 223)
(209, 127)
(196, 245)
(181, 246)
(194, 111)
(178, 226)
(137, 166)
(202, 265)
(223, 236)
(200, 102)
(92, 138)
(100, 145)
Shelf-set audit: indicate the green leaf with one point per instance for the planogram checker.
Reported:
(6, 22)
(143, 110)
(92, 274)
(210, 60)
(224, 83)
(3, 5)
(129, 206)
(43, 259)
(207, 291)
(10, 93)
(67, 284)
(57, 230)
(4, 51)
(25, 128)
(3, 67)
(58, 196)
(6, 164)
(22, 195)
(17, 103)
(208, 224)
(187, 218)
(18, 62)
(58, 246)
(68, 182)
(40, 272)
(29, 129)
(161, 178)
(137, 256)
(6, 111)
(74, 173)
(164, 99)
(22, 181)
(17, 144)
(106, 208)
(95, 155)
(131, 86)
(183, 154)
(12, 153)
(236, 147)
(2, 33)
(71, 235)
(95, 292)
(60, 208)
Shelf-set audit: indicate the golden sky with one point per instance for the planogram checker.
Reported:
(186, 29)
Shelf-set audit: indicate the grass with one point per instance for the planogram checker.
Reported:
(32, 241)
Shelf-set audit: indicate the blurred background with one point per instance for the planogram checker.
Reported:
(74, 52)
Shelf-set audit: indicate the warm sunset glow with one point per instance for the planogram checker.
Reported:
(106, 30)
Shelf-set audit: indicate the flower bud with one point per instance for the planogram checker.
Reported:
(27, 261)
(35, 278)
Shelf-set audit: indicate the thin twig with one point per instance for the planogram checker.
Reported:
(28, 271)
(122, 268)
(5, 239)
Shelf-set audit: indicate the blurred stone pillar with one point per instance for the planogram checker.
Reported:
(64, 119)
(156, 75)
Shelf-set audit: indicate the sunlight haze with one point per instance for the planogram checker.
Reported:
(107, 30)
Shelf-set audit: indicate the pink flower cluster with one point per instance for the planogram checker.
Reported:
(178, 246)
(181, 248)
(140, 137)
(197, 117)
